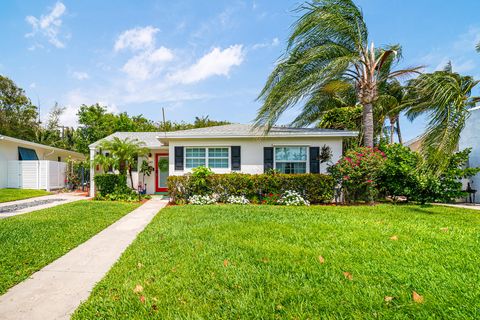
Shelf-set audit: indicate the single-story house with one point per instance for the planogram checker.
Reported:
(230, 148)
(30, 165)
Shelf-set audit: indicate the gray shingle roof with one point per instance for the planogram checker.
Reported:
(246, 130)
(151, 139)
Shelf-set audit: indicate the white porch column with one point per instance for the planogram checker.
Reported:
(92, 172)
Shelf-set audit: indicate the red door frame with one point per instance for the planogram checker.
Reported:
(157, 188)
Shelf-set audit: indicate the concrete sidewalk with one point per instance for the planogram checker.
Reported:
(13, 208)
(58, 289)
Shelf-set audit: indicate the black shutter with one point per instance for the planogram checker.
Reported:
(267, 158)
(314, 161)
(178, 158)
(236, 158)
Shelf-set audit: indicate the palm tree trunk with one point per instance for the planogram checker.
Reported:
(392, 129)
(131, 177)
(399, 133)
(368, 124)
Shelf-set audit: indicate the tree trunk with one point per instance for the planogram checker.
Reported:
(392, 129)
(399, 133)
(131, 177)
(368, 124)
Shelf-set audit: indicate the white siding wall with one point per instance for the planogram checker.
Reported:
(252, 150)
(9, 151)
(470, 138)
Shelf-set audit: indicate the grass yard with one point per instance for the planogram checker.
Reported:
(265, 262)
(19, 194)
(30, 241)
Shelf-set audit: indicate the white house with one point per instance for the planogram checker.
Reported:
(230, 148)
(29, 165)
(470, 138)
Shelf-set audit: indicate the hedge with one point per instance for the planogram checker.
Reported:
(316, 188)
(107, 182)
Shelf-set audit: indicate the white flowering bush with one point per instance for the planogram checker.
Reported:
(237, 200)
(201, 200)
(293, 198)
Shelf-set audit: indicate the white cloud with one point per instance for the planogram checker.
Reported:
(33, 85)
(460, 52)
(48, 26)
(146, 64)
(275, 42)
(80, 75)
(215, 63)
(136, 39)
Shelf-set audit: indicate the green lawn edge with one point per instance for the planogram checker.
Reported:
(30, 241)
(8, 195)
(263, 262)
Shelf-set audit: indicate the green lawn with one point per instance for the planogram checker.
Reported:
(30, 241)
(234, 262)
(19, 194)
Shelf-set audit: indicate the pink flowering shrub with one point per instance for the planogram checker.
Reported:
(358, 171)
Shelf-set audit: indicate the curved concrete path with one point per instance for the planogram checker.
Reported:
(57, 290)
(38, 203)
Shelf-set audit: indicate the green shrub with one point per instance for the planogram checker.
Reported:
(358, 172)
(316, 188)
(112, 187)
(399, 175)
(106, 183)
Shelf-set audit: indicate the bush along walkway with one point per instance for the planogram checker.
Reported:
(55, 291)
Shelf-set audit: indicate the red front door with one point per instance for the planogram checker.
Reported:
(161, 172)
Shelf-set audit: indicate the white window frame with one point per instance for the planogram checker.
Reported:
(207, 157)
(306, 161)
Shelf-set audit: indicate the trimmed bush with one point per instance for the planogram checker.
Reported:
(106, 183)
(316, 188)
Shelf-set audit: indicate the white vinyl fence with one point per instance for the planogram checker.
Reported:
(36, 174)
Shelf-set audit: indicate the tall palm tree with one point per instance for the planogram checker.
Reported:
(329, 41)
(123, 154)
(445, 96)
(391, 102)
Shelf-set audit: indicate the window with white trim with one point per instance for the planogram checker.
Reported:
(291, 159)
(214, 157)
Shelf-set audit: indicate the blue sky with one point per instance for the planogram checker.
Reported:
(198, 57)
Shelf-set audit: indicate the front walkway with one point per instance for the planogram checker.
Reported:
(13, 208)
(57, 290)
(473, 206)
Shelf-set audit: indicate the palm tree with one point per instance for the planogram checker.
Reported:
(445, 96)
(391, 102)
(329, 42)
(123, 154)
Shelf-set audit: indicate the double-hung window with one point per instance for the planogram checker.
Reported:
(291, 159)
(214, 157)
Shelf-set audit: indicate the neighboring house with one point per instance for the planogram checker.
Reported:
(29, 165)
(230, 148)
(470, 138)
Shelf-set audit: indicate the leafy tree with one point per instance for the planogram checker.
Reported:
(445, 96)
(329, 43)
(123, 154)
(18, 116)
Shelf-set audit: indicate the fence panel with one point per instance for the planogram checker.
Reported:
(33, 174)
